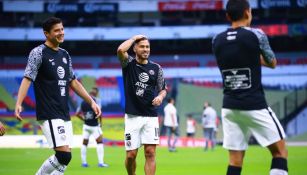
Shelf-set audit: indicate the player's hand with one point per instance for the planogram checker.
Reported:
(174, 129)
(2, 129)
(157, 101)
(18, 110)
(137, 37)
(96, 109)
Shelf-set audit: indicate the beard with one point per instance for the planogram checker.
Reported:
(143, 56)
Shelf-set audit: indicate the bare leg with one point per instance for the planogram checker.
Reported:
(150, 156)
(235, 162)
(236, 158)
(280, 154)
(279, 149)
(130, 162)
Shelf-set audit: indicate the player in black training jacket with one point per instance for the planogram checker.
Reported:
(240, 51)
(91, 127)
(145, 89)
(50, 69)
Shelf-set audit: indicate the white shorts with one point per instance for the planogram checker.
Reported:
(95, 131)
(58, 132)
(238, 125)
(140, 130)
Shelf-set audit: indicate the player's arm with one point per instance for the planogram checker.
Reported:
(122, 50)
(2, 129)
(271, 64)
(161, 85)
(173, 115)
(79, 89)
(22, 92)
(158, 99)
(267, 57)
(79, 113)
(31, 71)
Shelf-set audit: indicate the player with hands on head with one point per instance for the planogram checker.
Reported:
(145, 90)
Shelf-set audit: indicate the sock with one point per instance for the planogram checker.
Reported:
(56, 172)
(169, 142)
(279, 166)
(83, 154)
(278, 172)
(175, 141)
(100, 152)
(234, 170)
(50, 165)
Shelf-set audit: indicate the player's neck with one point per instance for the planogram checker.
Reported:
(141, 61)
(240, 23)
(52, 46)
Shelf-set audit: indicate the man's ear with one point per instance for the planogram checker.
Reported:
(46, 33)
(228, 18)
(134, 50)
(246, 13)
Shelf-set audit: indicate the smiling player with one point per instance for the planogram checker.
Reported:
(50, 69)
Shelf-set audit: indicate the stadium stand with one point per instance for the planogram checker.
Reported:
(301, 61)
(173, 48)
(12, 66)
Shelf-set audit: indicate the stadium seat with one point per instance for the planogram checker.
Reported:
(12, 66)
(301, 61)
(82, 66)
(110, 65)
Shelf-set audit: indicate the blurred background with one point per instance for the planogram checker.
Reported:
(180, 33)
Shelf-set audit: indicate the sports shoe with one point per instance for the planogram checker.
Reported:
(85, 165)
(102, 165)
(172, 150)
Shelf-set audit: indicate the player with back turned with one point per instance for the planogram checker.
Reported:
(240, 51)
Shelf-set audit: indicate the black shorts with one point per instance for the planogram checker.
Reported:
(190, 134)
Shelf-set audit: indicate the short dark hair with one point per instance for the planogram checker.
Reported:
(50, 22)
(169, 100)
(235, 9)
(95, 89)
(141, 39)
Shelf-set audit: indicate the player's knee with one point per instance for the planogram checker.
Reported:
(63, 157)
(279, 149)
(236, 161)
(150, 153)
(85, 142)
(99, 140)
(131, 155)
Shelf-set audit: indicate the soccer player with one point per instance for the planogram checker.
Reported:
(50, 69)
(209, 125)
(2, 129)
(171, 124)
(240, 51)
(145, 89)
(191, 129)
(92, 127)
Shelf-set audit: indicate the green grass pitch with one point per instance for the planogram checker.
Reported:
(187, 161)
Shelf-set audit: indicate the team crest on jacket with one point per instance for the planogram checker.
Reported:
(64, 60)
(151, 72)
